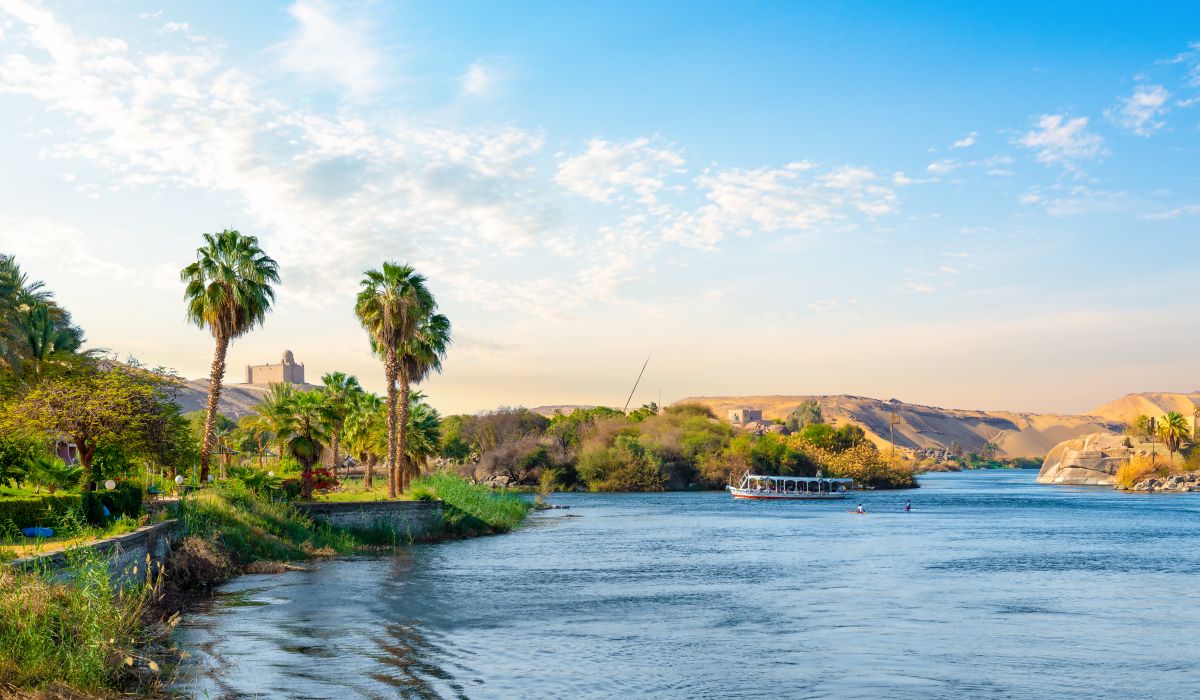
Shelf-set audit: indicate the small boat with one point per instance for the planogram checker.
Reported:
(790, 488)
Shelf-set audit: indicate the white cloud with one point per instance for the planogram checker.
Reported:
(966, 141)
(608, 171)
(1140, 111)
(944, 166)
(329, 49)
(919, 287)
(482, 79)
(1061, 140)
(1186, 210)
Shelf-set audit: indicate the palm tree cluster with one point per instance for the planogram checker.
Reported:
(303, 425)
(400, 314)
(229, 291)
(34, 330)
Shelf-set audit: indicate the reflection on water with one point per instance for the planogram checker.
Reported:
(991, 587)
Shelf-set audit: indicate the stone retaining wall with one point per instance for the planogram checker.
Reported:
(410, 520)
(131, 557)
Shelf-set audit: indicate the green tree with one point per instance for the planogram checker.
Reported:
(273, 414)
(341, 391)
(807, 413)
(116, 406)
(1174, 430)
(396, 308)
(308, 428)
(228, 291)
(423, 438)
(366, 433)
(420, 355)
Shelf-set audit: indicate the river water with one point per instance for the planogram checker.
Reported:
(992, 587)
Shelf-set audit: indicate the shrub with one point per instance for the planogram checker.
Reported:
(37, 510)
(125, 500)
(1138, 468)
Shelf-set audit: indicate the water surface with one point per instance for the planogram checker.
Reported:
(992, 587)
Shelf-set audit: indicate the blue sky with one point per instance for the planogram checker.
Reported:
(962, 204)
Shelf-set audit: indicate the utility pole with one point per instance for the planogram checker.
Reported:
(892, 421)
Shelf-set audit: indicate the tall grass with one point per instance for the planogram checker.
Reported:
(83, 634)
(1139, 468)
(253, 528)
(471, 508)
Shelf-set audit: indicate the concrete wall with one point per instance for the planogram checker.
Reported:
(408, 519)
(131, 557)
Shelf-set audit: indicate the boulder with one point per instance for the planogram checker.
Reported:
(1091, 460)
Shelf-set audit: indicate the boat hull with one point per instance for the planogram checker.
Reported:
(759, 496)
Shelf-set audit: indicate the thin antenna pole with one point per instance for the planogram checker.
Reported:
(639, 379)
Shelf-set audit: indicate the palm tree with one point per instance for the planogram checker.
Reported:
(229, 292)
(273, 414)
(340, 392)
(46, 333)
(391, 301)
(1174, 430)
(366, 433)
(423, 439)
(309, 428)
(421, 355)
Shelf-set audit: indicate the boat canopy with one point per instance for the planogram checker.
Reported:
(809, 479)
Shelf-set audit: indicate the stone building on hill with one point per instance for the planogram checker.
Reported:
(743, 416)
(286, 372)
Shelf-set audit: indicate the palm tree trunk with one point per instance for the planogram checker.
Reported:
(214, 395)
(333, 445)
(401, 452)
(368, 477)
(390, 371)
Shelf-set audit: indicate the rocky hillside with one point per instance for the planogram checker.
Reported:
(930, 427)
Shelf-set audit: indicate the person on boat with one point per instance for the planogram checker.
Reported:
(860, 510)
(907, 506)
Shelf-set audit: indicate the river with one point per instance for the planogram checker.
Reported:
(992, 587)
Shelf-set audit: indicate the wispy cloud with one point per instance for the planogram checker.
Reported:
(483, 78)
(1177, 212)
(1140, 111)
(966, 141)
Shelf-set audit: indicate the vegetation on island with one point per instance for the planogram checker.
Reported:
(1170, 434)
(651, 449)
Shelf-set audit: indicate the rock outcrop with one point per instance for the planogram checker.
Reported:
(1090, 460)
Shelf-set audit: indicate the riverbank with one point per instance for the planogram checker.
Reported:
(83, 638)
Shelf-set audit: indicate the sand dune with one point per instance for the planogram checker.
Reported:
(1156, 404)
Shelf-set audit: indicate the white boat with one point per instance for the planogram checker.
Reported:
(790, 488)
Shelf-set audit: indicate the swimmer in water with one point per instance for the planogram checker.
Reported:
(907, 506)
(859, 509)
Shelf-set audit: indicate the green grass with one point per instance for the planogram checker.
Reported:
(471, 508)
(253, 528)
(352, 491)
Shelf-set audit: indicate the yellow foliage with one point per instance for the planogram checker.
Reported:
(1138, 468)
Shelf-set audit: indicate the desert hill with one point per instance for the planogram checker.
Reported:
(1151, 403)
(236, 400)
(930, 427)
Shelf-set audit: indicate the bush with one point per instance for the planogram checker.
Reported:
(37, 510)
(125, 500)
(1137, 469)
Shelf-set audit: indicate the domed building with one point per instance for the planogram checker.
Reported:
(286, 372)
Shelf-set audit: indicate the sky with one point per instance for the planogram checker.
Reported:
(971, 205)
